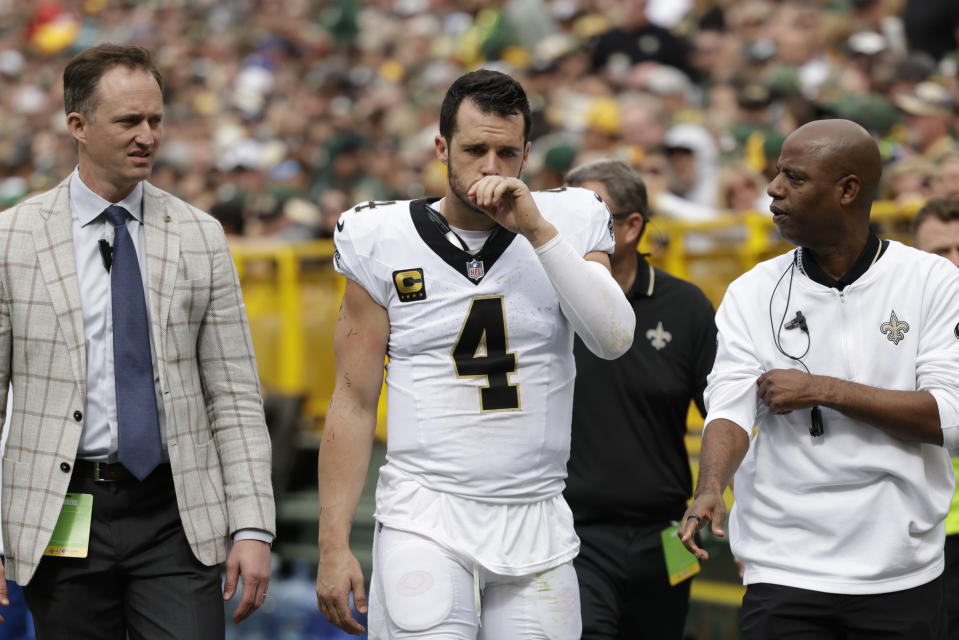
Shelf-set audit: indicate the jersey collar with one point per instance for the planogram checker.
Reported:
(432, 228)
(869, 255)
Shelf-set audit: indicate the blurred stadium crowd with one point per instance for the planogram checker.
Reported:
(281, 113)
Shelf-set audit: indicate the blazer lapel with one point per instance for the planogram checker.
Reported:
(58, 266)
(163, 255)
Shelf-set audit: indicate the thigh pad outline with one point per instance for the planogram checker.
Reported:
(417, 587)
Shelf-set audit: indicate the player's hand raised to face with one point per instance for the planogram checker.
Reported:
(509, 202)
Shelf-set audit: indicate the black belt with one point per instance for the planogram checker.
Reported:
(103, 471)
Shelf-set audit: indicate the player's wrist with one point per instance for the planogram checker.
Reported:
(540, 234)
(333, 541)
(330, 549)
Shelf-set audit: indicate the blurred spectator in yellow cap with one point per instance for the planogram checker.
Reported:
(930, 118)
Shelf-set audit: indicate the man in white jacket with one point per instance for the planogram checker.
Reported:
(843, 354)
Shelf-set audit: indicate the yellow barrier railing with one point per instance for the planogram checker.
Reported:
(712, 254)
(283, 278)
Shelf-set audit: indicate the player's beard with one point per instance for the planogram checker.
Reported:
(460, 190)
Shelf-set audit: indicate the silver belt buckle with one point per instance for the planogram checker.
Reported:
(96, 474)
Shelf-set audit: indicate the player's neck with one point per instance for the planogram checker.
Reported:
(624, 269)
(461, 216)
(836, 259)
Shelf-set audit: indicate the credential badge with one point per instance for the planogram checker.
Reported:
(894, 329)
(658, 337)
(475, 269)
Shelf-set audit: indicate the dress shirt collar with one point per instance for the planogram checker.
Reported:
(87, 206)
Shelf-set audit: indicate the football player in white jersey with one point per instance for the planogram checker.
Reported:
(473, 537)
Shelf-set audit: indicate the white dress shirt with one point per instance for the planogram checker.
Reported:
(99, 438)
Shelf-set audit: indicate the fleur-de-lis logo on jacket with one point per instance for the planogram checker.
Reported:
(894, 329)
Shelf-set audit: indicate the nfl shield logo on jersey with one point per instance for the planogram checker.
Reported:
(475, 270)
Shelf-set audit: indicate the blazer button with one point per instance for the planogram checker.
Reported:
(65, 467)
(78, 416)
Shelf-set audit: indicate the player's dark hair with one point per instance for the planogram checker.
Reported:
(624, 185)
(491, 92)
(945, 209)
(83, 73)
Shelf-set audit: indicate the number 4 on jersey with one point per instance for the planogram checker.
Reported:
(482, 351)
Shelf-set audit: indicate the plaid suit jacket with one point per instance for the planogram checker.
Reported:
(217, 439)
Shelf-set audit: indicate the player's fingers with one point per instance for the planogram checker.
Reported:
(321, 605)
(476, 186)
(359, 596)
(482, 190)
(329, 612)
(333, 611)
(494, 192)
(345, 618)
(502, 190)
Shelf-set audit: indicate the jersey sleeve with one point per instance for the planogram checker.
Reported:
(580, 216)
(731, 387)
(352, 257)
(600, 231)
(936, 363)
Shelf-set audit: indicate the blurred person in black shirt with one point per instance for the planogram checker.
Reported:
(629, 475)
(639, 40)
(932, 26)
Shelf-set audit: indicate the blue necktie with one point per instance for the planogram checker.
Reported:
(138, 422)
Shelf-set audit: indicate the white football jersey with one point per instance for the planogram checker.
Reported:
(480, 373)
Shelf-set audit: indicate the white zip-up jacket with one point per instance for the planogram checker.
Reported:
(855, 511)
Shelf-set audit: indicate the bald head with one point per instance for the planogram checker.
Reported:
(845, 149)
(826, 179)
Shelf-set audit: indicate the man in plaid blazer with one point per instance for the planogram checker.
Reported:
(152, 566)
